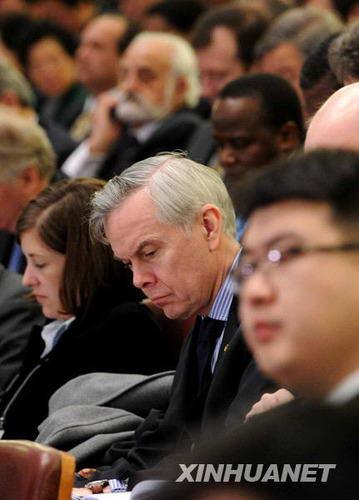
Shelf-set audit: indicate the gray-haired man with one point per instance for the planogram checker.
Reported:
(172, 221)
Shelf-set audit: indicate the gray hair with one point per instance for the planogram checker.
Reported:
(304, 27)
(178, 186)
(343, 54)
(12, 79)
(183, 59)
(23, 143)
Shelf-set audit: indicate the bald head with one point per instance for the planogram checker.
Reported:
(336, 123)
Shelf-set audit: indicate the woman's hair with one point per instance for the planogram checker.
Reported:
(60, 216)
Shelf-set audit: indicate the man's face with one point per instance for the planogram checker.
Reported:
(243, 141)
(147, 86)
(11, 204)
(286, 61)
(97, 55)
(177, 271)
(218, 63)
(301, 317)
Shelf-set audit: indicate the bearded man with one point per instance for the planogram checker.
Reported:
(147, 113)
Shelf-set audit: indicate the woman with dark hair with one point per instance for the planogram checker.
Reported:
(96, 325)
(48, 58)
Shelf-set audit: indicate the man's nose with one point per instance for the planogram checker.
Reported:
(142, 276)
(257, 289)
(208, 88)
(227, 156)
(129, 83)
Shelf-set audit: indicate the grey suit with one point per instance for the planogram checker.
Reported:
(17, 317)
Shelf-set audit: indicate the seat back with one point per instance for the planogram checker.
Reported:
(30, 471)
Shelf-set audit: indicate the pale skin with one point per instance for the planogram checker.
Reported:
(16, 192)
(269, 401)
(145, 70)
(292, 314)
(336, 124)
(43, 274)
(180, 272)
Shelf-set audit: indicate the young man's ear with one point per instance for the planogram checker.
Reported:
(211, 219)
(288, 137)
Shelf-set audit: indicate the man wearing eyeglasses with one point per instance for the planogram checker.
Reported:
(298, 278)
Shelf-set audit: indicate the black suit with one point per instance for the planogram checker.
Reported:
(235, 386)
(6, 245)
(174, 133)
(110, 337)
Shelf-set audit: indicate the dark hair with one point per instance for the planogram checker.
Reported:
(247, 26)
(14, 28)
(181, 14)
(60, 215)
(316, 65)
(47, 29)
(343, 54)
(131, 31)
(279, 102)
(329, 176)
(343, 7)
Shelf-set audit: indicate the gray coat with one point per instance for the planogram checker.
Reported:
(92, 411)
(17, 317)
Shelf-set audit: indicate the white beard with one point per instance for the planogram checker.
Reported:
(133, 109)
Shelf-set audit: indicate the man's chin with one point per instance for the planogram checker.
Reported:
(175, 313)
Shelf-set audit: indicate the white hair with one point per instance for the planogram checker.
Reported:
(23, 143)
(183, 59)
(178, 186)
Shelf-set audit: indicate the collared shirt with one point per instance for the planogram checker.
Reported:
(346, 390)
(219, 310)
(83, 163)
(51, 333)
(221, 306)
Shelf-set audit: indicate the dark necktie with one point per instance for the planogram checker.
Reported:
(209, 331)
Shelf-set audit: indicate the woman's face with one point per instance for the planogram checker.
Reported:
(43, 273)
(50, 68)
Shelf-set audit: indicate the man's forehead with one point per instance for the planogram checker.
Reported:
(136, 205)
(235, 112)
(289, 218)
(148, 51)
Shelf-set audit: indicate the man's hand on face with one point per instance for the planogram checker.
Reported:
(104, 130)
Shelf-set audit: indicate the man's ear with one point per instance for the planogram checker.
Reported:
(180, 91)
(212, 222)
(288, 137)
(30, 183)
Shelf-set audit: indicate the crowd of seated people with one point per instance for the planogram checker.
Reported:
(156, 136)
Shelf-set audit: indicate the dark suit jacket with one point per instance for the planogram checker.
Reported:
(112, 337)
(17, 316)
(6, 244)
(174, 133)
(235, 386)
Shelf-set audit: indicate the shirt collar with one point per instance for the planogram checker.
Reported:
(145, 131)
(346, 390)
(50, 331)
(222, 303)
